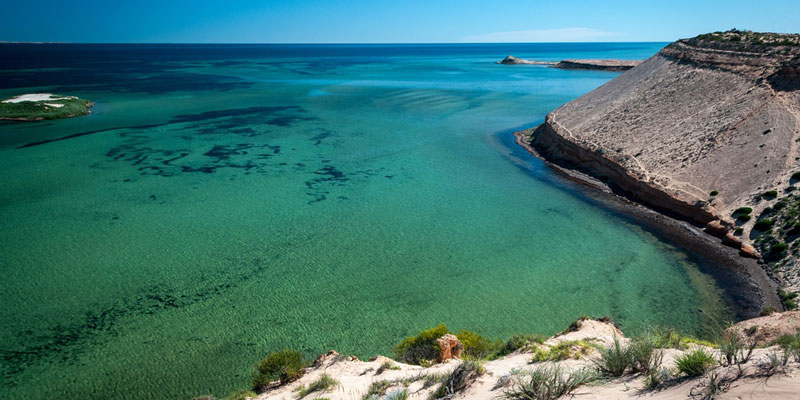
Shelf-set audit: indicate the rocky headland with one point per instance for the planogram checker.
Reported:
(705, 131)
(598, 65)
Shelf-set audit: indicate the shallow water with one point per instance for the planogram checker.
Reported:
(226, 201)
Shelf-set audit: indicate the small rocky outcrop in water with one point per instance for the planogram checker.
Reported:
(597, 65)
(511, 60)
(451, 347)
(706, 130)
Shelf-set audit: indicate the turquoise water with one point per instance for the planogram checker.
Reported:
(223, 202)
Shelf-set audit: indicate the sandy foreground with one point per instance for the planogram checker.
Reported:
(754, 381)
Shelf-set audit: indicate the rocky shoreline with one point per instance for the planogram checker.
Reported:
(746, 283)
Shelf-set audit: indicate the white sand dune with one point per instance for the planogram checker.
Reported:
(38, 97)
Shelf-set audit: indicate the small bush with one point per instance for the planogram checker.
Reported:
(397, 394)
(734, 349)
(744, 217)
(695, 363)
(562, 351)
(323, 384)
(743, 210)
(656, 377)
(778, 248)
(476, 346)
(548, 383)
(284, 366)
(714, 193)
(775, 362)
(422, 347)
(763, 224)
(459, 379)
(613, 360)
(388, 365)
(666, 338)
(377, 389)
(738, 231)
(788, 299)
(645, 356)
(770, 194)
(768, 310)
(796, 176)
(791, 344)
(517, 342)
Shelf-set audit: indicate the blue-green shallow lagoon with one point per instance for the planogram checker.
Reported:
(223, 202)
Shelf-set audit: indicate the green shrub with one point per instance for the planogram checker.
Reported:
(423, 346)
(377, 389)
(476, 346)
(788, 299)
(323, 384)
(548, 383)
(613, 360)
(458, 380)
(770, 194)
(734, 349)
(744, 217)
(763, 224)
(645, 356)
(695, 363)
(796, 176)
(397, 394)
(790, 344)
(656, 377)
(738, 231)
(562, 351)
(516, 342)
(284, 366)
(743, 210)
(714, 193)
(666, 338)
(768, 310)
(778, 248)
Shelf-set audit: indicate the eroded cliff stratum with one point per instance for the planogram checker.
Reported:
(706, 130)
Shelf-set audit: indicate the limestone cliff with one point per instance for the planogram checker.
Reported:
(703, 130)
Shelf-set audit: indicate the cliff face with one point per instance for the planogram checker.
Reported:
(706, 126)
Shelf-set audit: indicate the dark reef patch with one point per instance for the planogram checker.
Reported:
(66, 342)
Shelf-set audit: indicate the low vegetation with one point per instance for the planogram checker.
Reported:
(283, 366)
(323, 384)
(737, 36)
(694, 363)
(422, 348)
(613, 360)
(548, 382)
(562, 351)
(458, 380)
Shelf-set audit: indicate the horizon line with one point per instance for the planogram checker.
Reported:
(331, 43)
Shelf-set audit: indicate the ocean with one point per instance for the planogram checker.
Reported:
(225, 201)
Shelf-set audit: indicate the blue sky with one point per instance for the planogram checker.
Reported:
(403, 21)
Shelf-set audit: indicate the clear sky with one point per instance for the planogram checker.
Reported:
(393, 21)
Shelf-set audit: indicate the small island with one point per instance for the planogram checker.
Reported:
(43, 106)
